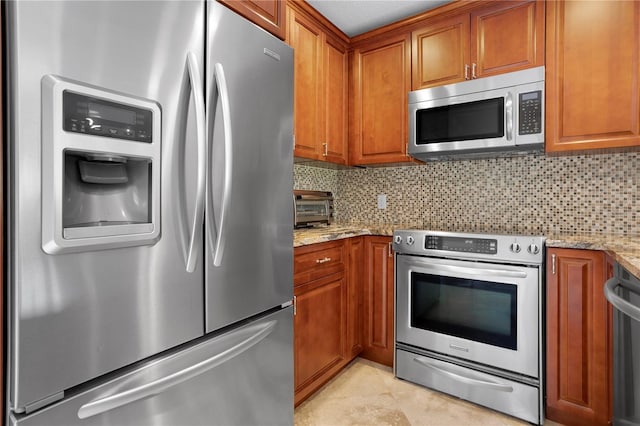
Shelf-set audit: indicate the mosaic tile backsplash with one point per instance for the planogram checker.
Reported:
(533, 194)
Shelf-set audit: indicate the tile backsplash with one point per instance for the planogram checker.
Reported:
(533, 194)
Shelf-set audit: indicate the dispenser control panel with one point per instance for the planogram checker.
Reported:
(86, 114)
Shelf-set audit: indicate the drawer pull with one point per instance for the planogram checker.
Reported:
(325, 260)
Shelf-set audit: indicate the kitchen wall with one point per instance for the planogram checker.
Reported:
(533, 194)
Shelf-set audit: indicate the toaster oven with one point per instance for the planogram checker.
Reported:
(312, 207)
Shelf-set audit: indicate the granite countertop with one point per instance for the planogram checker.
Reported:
(324, 233)
(624, 249)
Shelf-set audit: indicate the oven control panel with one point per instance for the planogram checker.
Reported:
(521, 249)
(461, 244)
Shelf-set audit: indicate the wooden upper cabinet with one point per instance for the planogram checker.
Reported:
(305, 36)
(336, 84)
(268, 14)
(381, 80)
(491, 39)
(440, 52)
(320, 89)
(579, 362)
(592, 75)
(507, 36)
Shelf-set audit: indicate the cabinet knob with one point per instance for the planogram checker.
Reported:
(325, 260)
(473, 70)
(326, 149)
(466, 71)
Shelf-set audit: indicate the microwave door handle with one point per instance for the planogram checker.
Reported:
(198, 98)
(221, 84)
(509, 112)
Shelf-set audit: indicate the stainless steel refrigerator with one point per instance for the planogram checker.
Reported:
(149, 183)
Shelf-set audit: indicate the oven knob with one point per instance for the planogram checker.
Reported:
(533, 249)
(515, 247)
(410, 240)
(397, 239)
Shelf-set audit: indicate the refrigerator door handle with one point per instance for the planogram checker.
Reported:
(221, 84)
(158, 386)
(198, 97)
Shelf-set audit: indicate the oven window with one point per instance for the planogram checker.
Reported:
(481, 311)
(466, 121)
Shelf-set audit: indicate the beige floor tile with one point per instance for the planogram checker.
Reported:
(368, 394)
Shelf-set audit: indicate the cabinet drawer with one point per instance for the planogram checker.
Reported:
(318, 260)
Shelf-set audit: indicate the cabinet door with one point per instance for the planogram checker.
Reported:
(578, 331)
(381, 81)
(319, 328)
(592, 75)
(268, 14)
(306, 38)
(507, 36)
(354, 296)
(378, 301)
(335, 101)
(440, 53)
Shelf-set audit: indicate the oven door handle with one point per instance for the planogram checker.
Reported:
(476, 270)
(468, 380)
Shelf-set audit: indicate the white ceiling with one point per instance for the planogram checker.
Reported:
(355, 17)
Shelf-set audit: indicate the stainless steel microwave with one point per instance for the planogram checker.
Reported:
(478, 118)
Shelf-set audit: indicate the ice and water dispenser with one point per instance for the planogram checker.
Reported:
(100, 168)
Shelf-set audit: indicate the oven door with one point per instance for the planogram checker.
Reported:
(482, 312)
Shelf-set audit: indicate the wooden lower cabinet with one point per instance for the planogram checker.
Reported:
(328, 305)
(579, 356)
(343, 307)
(319, 333)
(378, 312)
(355, 296)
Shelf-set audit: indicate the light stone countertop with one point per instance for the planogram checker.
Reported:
(324, 233)
(624, 249)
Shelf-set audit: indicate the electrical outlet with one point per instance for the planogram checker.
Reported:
(382, 201)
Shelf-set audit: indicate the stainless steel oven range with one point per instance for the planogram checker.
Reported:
(469, 317)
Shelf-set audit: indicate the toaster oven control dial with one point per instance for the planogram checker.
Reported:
(397, 239)
(410, 240)
(533, 249)
(515, 247)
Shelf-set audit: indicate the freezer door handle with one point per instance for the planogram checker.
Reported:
(256, 334)
(198, 97)
(221, 84)
(618, 302)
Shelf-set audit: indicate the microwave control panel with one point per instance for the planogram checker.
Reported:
(530, 113)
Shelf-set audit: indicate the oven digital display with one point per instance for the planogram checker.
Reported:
(461, 244)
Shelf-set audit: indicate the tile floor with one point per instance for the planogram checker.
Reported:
(366, 393)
